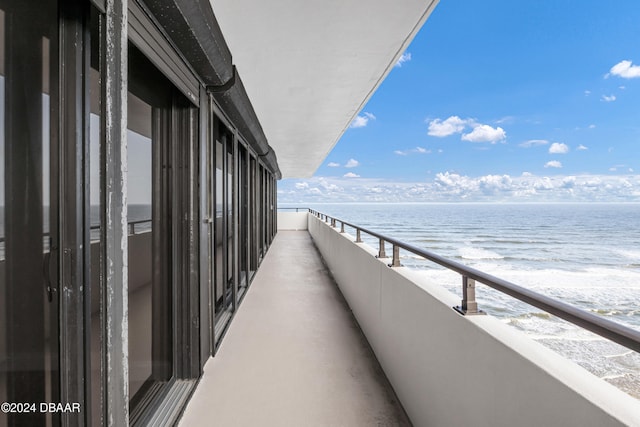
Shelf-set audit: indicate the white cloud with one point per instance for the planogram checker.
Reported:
(329, 186)
(333, 164)
(568, 182)
(485, 133)
(558, 148)
(553, 164)
(362, 120)
(453, 124)
(615, 168)
(359, 122)
(625, 69)
(418, 150)
(351, 175)
(406, 57)
(507, 119)
(592, 126)
(582, 147)
(622, 87)
(352, 163)
(534, 143)
(453, 187)
(606, 98)
(587, 92)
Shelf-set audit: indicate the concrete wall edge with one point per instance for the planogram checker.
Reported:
(594, 400)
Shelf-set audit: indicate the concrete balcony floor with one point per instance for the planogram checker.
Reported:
(294, 354)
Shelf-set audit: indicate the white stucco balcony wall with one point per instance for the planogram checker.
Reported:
(292, 220)
(452, 370)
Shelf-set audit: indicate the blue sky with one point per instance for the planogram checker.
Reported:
(498, 101)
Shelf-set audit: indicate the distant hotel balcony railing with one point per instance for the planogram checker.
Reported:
(613, 331)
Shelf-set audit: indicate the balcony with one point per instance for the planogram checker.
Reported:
(294, 354)
(297, 353)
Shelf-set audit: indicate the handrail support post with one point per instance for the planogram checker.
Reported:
(358, 237)
(469, 305)
(395, 261)
(381, 252)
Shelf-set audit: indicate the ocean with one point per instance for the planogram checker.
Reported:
(587, 255)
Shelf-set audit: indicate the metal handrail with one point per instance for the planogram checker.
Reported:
(613, 331)
(131, 224)
(296, 209)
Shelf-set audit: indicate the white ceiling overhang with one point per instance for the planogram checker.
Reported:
(310, 66)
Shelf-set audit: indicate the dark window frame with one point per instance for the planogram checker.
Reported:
(182, 124)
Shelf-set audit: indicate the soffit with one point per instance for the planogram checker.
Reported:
(310, 66)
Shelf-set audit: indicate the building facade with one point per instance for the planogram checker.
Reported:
(137, 200)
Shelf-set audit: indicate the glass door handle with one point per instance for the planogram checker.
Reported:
(47, 273)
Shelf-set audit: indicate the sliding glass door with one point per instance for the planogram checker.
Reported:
(243, 221)
(29, 208)
(150, 238)
(160, 139)
(221, 234)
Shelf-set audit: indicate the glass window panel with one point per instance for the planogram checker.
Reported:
(242, 217)
(3, 290)
(230, 219)
(219, 235)
(95, 211)
(28, 208)
(139, 211)
(149, 198)
(253, 218)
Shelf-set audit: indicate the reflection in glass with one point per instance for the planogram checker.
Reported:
(150, 232)
(2, 178)
(229, 210)
(28, 209)
(260, 190)
(253, 226)
(3, 290)
(95, 210)
(243, 280)
(219, 236)
(224, 248)
(140, 183)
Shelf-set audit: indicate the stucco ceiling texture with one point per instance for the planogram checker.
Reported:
(310, 66)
